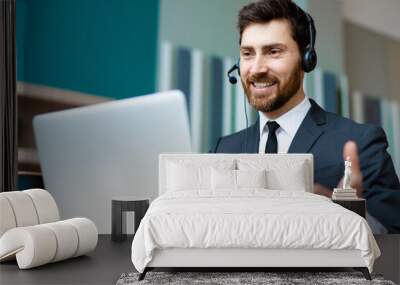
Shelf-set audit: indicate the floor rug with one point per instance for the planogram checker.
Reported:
(244, 278)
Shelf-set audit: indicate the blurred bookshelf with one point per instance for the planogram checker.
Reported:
(33, 100)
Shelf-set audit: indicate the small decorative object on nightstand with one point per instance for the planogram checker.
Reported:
(122, 204)
(347, 192)
(356, 205)
(347, 196)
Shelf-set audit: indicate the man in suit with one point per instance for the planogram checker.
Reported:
(276, 49)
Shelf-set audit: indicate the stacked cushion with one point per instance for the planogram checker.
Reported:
(27, 208)
(31, 232)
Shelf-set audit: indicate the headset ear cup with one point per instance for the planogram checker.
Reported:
(309, 60)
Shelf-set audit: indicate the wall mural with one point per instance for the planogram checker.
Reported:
(216, 107)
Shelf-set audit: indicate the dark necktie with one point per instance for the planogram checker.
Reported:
(272, 142)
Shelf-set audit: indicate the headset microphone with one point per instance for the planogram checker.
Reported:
(232, 79)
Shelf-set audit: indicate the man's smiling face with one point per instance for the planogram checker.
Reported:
(270, 66)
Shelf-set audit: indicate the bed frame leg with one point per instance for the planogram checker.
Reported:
(364, 271)
(143, 274)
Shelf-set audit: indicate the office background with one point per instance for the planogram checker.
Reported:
(73, 52)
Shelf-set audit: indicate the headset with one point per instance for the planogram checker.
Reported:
(308, 62)
(309, 57)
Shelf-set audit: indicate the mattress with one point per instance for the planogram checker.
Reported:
(251, 219)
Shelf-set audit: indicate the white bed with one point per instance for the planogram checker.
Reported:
(247, 210)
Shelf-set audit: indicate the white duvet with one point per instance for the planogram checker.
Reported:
(250, 219)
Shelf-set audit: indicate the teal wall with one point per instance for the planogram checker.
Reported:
(101, 47)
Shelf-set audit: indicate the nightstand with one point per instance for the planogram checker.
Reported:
(119, 205)
(358, 206)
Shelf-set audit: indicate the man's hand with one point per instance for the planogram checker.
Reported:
(349, 150)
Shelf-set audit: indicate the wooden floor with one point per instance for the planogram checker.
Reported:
(111, 259)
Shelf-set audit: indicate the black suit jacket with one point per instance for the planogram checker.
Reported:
(324, 134)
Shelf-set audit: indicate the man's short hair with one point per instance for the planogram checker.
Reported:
(264, 11)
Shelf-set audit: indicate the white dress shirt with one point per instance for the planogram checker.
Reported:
(289, 124)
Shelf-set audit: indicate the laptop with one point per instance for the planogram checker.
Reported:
(92, 153)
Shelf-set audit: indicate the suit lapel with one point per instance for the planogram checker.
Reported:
(310, 130)
(250, 144)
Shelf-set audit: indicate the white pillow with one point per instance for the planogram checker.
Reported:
(183, 178)
(251, 178)
(281, 175)
(185, 175)
(296, 181)
(223, 179)
(236, 179)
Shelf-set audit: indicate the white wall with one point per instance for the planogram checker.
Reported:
(393, 59)
(329, 42)
(379, 16)
(373, 46)
(372, 62)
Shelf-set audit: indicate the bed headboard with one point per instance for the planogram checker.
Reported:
(285, 163)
